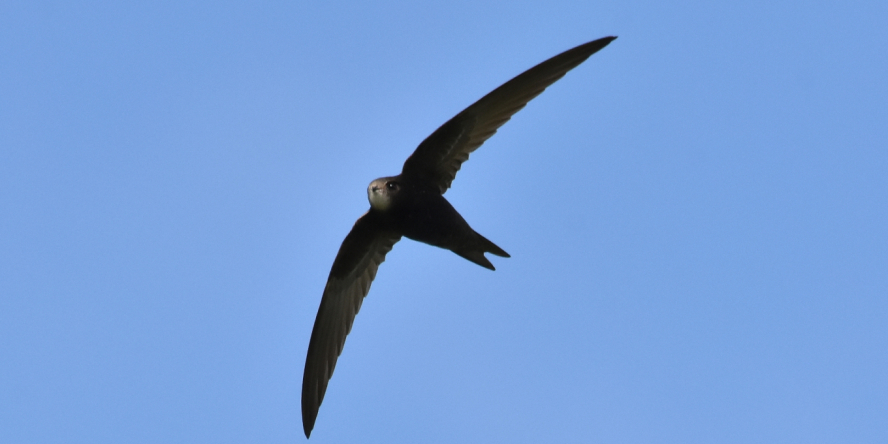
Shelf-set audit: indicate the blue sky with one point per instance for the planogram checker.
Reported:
(697, 218)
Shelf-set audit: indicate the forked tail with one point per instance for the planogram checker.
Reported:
(475, 251)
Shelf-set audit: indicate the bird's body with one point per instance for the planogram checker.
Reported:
(412, 205)
(422, 214)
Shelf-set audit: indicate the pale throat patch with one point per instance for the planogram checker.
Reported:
(379, 200)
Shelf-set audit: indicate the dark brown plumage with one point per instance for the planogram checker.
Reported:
(412, 205)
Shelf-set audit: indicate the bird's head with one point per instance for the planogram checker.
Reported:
(382, 192)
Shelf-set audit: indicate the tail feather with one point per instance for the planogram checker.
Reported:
(475, 252)
(490, 247)
(476, 256)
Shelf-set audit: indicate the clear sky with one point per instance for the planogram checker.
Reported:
(697, 218)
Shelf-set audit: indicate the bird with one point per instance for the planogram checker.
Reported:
(412, 205)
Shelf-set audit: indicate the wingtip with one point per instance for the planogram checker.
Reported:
(595, 45)
(307, 429)
(309, 416)
(606, 40)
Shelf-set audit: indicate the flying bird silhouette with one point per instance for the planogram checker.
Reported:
(412, 205)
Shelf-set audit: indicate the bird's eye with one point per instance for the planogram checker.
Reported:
(392, 185)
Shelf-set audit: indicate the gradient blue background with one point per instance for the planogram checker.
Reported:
(697, 218)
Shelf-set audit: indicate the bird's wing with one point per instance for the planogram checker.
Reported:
(439, 156)
(353, 271)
